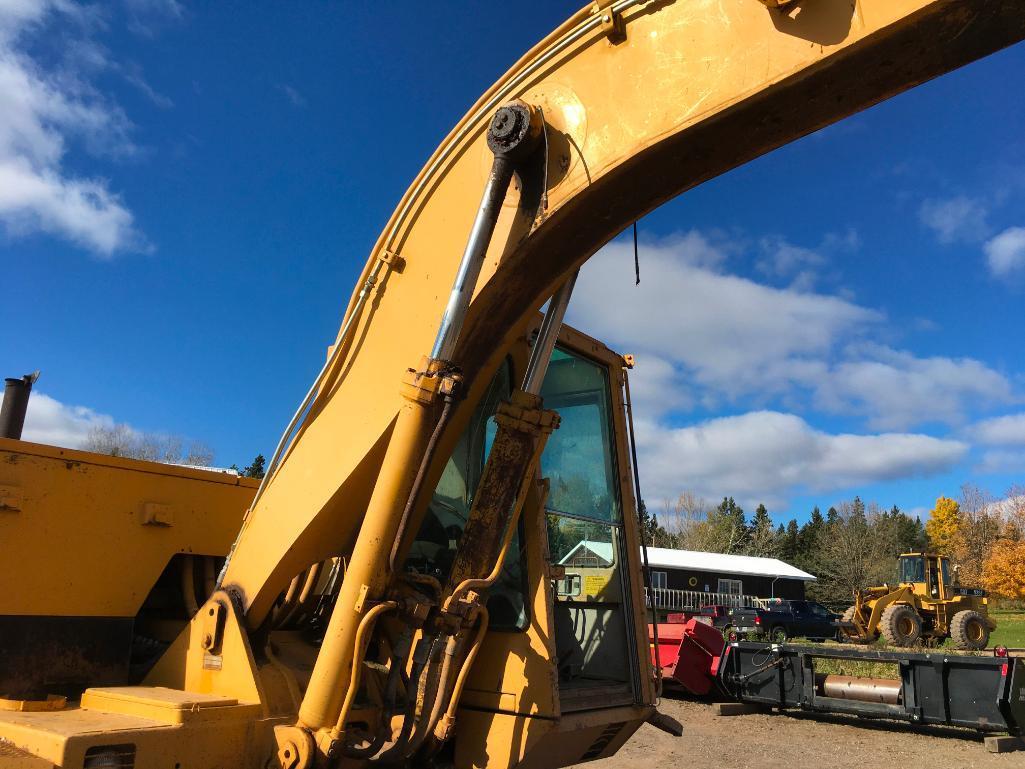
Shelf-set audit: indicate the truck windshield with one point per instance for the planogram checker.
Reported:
(912, 569)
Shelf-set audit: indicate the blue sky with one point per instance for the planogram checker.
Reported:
(189, 192)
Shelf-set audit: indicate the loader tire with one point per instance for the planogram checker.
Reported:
(900, 625)
(969, 630)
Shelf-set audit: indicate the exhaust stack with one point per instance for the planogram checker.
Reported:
(15, 405)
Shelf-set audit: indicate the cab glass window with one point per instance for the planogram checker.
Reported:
(912, 569)
(578, 456)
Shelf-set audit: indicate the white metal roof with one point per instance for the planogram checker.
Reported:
(724, 564)
(695, 560)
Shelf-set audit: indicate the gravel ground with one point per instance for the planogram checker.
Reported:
(774, 741)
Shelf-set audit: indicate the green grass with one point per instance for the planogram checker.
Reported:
(1010, 630)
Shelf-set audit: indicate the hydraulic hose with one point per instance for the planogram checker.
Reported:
(357, 661)
(395, 677)
(424, 728)
(418, 482)
(397, 750)
(445, 727)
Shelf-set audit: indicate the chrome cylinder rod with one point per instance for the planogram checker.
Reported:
(473, 258)
(513, 134)
(547, 336)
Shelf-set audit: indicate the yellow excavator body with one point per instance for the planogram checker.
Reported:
(389, 596)
(927, 605)
(81, 634)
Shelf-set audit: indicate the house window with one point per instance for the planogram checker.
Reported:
(731, 586)
(658, 579)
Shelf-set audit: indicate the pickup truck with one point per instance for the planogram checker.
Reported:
(782, 619)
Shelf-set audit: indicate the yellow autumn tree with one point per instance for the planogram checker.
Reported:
(943, 525)
(1004, 573)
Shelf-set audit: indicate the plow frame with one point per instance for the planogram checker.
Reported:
(986, 693)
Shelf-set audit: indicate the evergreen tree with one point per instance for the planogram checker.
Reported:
(790, 539)
(255, 469)
(761, 518)
(857, 509)
(726, 528)
(808, 538)
(762, 540)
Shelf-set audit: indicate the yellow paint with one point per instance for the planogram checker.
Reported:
(114, 522)
(695, 89)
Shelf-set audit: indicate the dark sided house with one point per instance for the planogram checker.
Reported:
(682, 579)
(688, 579)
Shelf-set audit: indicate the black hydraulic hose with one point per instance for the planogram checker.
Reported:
(397, 750)
(384, 728)
(418, 482)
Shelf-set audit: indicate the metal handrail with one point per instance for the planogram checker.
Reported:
(673, 599)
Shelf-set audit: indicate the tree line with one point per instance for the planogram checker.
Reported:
(985, 539)
(851, 546)
(856, 544)
(122, 441)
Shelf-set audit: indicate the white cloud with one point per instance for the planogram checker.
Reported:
(657, 387)
(1005, 253)
(43, 109)
(767, 455)
(719, 338)
(895, 389)
(731, 334)
(960, 218)
(57, 424)
(1008, 430)
(783, 259)
(1000, 461)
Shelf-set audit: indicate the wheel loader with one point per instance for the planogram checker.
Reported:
(389, 597)
(926, 605)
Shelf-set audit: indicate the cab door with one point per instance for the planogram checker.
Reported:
(593, 612)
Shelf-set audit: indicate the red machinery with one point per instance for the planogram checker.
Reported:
(689, 653)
